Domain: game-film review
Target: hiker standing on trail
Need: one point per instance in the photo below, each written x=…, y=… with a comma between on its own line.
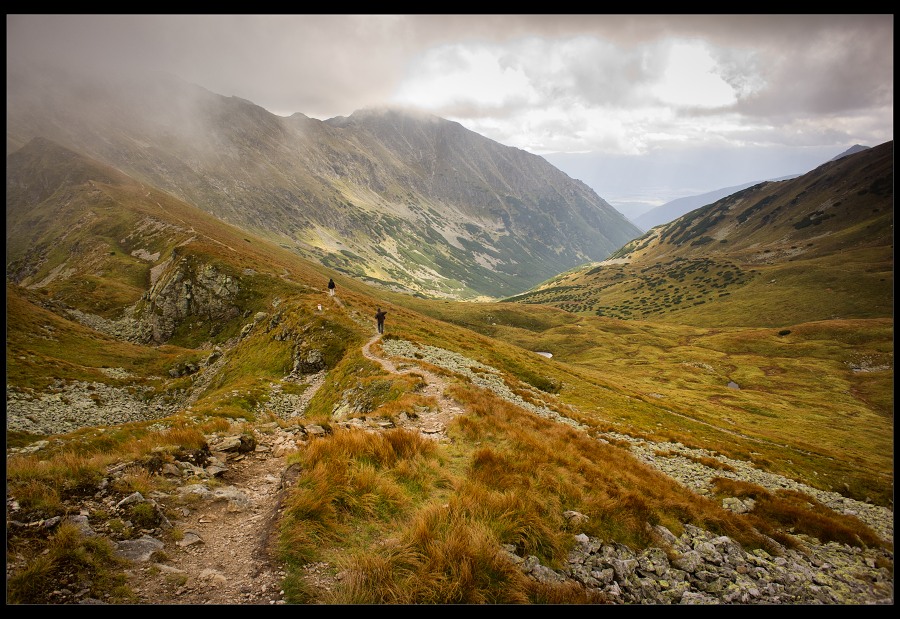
x=331, y=287
x=379, y=318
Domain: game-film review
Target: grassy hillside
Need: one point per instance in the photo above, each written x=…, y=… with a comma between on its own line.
x=817, y=247
x=413, y=521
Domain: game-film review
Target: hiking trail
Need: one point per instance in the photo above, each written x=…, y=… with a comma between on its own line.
x=228, y=552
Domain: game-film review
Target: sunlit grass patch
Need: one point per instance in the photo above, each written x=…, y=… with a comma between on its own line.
x=410, y=403
x=41, y=482
x=44, y=481
x=353, y=474
x=443, y=559
x=619, y=494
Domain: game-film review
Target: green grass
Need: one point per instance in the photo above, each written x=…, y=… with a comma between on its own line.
x=70, y=560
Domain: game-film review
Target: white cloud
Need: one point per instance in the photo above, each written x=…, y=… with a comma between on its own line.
x=692, y=78
x=606, y=83
x=459, y=75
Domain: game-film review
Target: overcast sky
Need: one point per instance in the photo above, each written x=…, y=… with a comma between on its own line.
x=543, y=83
x=643, y=108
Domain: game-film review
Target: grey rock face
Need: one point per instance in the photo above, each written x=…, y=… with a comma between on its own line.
x=189, y=290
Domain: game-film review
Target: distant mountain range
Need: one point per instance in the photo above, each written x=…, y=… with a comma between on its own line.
x=676, y=208
x=414, y=203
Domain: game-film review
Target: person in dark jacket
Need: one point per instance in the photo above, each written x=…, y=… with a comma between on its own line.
x=331, y=287
x=379, y=318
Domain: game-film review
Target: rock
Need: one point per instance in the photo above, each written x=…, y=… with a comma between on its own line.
x=139, y=550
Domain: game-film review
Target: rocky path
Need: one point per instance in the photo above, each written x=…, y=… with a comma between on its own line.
x=227, y=553
x=433, y=421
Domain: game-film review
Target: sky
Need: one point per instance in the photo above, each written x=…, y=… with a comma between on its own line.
x=580, y=88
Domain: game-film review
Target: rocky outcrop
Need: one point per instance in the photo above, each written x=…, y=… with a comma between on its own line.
x=187, y=290
x=182, y=289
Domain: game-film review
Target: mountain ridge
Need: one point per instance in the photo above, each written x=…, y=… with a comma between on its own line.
x=808, y=229
x=674, y=209
x=357, y=194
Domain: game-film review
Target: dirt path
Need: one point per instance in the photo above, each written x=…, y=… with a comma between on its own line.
x=227, y=553
x=433, y=421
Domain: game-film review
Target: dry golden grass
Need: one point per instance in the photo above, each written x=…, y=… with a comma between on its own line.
x=35, y=496
x=190, y=437
x=42, y=483
x=410, y=521
x=800, y=513
x=409, y=403
x=351, y=474
x=136, y=480
x=571, y=471
x=442, y=559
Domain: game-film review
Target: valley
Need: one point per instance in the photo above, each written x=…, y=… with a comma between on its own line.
x=719, y=400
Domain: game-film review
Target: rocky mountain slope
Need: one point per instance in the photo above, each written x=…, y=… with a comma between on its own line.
x=681, y=206
x=674, y=209
x=415, y=203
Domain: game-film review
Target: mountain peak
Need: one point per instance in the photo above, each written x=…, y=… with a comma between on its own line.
x=850, y=151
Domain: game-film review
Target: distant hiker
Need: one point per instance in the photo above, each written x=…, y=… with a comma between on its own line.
x=331, y=287
x=379, y=318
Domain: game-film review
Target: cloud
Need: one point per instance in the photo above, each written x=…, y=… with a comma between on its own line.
x=618, y=83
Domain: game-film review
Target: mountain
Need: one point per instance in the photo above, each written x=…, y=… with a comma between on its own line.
x=191, y=418
x=412, y=202
x=850, y=151
x=815, y=247
x=637, y=182
x=134, y=262
x=676, y=208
